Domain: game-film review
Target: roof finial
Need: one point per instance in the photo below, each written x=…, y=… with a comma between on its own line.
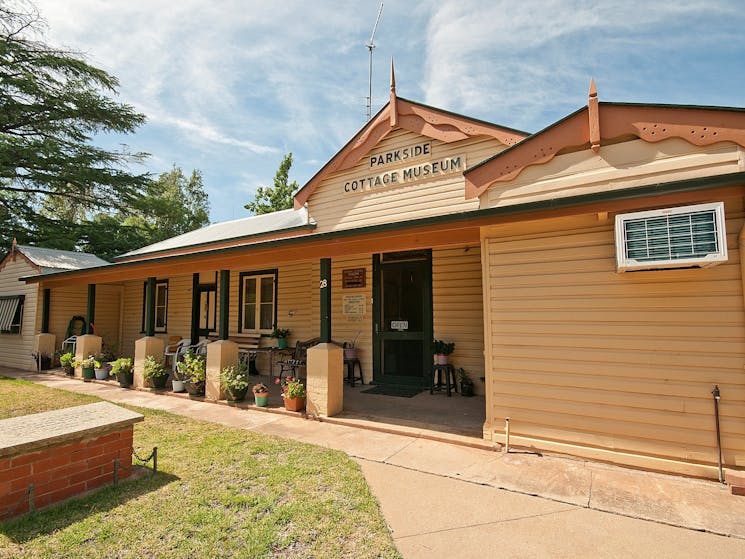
x=393, y=79
x=13, y=245
x=593, y=112
x=393, y=106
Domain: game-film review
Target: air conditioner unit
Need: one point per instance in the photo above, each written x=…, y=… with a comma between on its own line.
x=682, y=237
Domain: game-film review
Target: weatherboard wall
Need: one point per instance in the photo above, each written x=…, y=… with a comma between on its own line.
x=17, y=348
x=615, y=366
x=335, y=209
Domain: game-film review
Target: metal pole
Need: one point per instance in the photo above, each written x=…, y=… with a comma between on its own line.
x=155, y=459
x=716, y=395
x=506, y=434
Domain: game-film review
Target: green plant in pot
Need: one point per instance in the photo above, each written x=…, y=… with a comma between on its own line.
x=234, y=380
x=67, y=361
x=101, y=369
x=261, y=394
x=466, y=384
x=88, y=366
x=123, y=370
x=293, y=392
x=281, y=334
x=442, y=349
x=193, y=371
x=155, y=373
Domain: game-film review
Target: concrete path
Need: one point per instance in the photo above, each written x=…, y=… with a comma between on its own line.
x=443, y=500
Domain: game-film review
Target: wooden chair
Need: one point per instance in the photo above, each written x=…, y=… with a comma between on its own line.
x=298, y=359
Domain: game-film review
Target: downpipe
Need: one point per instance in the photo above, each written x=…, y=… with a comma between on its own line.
x=717, y=396
x=507, y=434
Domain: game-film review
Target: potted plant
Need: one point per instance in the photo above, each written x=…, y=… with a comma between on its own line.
x=234, y=381
x=281, y=334
x=66, y=360
x=261, y=394
x=155, y=373
x=293, y=393
x=88, y=366
x=193, y=371
x=101, y=369
x=177, y=381
x=441, y=350
x=123, y=370
x=350, y=348
x=466, y=384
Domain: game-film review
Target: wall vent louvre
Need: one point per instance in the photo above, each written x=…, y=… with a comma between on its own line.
x=682, y=237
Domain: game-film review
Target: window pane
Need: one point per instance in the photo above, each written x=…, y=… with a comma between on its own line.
x=267, y=290
x=267, y=316
x=249, y=292
x=160, y=295
x=160, y=317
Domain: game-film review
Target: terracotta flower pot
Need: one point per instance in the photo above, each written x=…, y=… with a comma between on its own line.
x=294, y=404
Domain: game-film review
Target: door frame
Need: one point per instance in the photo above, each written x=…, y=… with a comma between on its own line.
x=197, y=289
x=428, y=322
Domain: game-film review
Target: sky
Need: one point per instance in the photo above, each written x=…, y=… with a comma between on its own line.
x=230, y=86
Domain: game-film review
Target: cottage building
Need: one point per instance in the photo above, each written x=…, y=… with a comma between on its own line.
x=589, y=273
x=20, y=303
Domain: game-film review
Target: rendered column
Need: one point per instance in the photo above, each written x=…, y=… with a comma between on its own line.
x=86, y=345
x=325, y=384
x=149, y=345
x=220, y=354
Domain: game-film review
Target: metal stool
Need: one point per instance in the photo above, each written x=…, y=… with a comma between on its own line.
x=350, y=364
x=437, y=378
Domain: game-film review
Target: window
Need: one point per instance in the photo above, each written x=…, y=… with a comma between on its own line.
x=680, y=237
x=11, y=314
x=161, y=305
x=258, y=301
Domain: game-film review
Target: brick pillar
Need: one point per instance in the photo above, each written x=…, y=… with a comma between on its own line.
x=149, y=345
x=220, y=354
x=86, y=345
x=325, y=384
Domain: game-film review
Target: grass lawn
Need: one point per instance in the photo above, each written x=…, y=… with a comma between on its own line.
x=220, y=492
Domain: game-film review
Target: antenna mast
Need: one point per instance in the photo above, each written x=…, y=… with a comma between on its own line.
x=370, y=46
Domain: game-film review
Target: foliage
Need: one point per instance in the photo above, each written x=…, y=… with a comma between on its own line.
x=170, y=205
x=353, y=343
x=280, y=333
x=291, y=387
x=67, y=359
x=260, y=388
x=52, y=102
x=225, y=492
x=440, y=347
x=122, y=365
x=464, y=377
x=193, y=368
x=235, y=377
x=270, y=199
x=154, y=368
x=89, y=362
x=108, y=349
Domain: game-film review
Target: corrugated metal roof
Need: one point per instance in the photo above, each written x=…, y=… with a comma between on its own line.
x=228, y=230
x=52, y=260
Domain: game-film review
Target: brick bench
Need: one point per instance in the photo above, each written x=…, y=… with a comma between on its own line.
x=62, y=453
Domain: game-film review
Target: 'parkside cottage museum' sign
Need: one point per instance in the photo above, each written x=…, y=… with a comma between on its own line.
x=404, y=175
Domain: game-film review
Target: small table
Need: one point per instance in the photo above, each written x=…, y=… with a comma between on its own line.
x=272, y=351
x=438, y=371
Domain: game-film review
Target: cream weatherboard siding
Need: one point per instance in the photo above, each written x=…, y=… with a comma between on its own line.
x=615, y=167
x=458, y=307
x=17, y=348
x=616, y=366
x=333, y=209
x=66, y=302
x=345, y=328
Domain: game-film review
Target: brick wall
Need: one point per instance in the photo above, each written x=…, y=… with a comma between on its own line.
x=63, y=470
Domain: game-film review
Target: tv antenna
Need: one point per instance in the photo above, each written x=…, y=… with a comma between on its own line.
x=371, y=46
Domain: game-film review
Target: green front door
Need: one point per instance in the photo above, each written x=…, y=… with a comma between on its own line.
x=402, y=325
